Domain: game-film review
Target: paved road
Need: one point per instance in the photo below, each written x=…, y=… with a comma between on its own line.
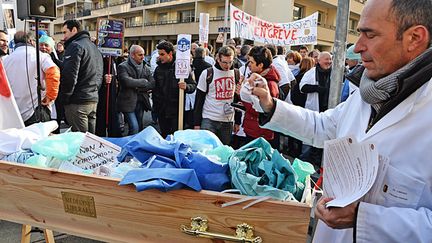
x=11, y=233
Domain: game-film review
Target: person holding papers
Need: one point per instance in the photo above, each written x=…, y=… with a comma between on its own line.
x=393, y=111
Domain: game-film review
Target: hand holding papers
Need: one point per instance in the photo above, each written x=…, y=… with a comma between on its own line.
x=350, y=170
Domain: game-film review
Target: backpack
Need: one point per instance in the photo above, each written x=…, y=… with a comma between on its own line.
x=210, y=73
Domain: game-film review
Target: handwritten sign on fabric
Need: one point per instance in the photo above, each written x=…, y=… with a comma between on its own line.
x=300, y=32
x=95, y=152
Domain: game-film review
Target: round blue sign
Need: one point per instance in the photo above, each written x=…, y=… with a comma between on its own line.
x=183, y=45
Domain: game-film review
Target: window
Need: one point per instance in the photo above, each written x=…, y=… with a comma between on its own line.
x=165, y=1
x=220, y=11
x=134, y=21
x=321, y=16
x=352, y=25
x=186, y=16
x=298, y=12
x=162, y=17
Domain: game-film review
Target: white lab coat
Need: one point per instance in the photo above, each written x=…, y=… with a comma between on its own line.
x=312, y=102
x=402, y=213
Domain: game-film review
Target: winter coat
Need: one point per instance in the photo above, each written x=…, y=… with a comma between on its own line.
x=132, y=85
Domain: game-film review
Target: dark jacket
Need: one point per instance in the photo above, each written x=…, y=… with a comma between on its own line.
x=132, y=85
x=82, y=70
x=250, y=121
x=199, y=65
x=166, y=91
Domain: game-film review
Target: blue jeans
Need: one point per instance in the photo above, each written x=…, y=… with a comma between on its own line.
x=132, y=121
x=223, y=130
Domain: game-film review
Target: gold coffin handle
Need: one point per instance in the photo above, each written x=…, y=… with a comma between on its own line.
x=199, y=227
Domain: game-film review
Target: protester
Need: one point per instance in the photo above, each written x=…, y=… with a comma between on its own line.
x=21, y=69
x=298, y=98
x=316, y=85
x=215, y=93
x=4, y=50
x=303, y=50
x=46, y=45
x=60, y=50
x=260, y=62
x=166, y=91
x=293, y=59
x=286, y=76
x=314, y=54
x=392, y=107
x=352, y=60
x=135, y=83
x=81, y=77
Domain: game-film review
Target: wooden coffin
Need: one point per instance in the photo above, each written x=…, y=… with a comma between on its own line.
x=98, y=208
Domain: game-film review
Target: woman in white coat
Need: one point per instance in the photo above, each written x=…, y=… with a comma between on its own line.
x=393, y=110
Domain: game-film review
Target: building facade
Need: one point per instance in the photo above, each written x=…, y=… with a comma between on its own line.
x=148, y=21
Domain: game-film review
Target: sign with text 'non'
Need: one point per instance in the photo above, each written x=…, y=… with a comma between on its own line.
x=95, y=152
x=183, y=56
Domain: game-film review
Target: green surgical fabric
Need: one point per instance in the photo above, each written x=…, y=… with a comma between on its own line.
x=258, y=170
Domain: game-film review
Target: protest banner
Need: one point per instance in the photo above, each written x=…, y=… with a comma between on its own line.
x=110, y=36
x=204, y=29
x=300, y=32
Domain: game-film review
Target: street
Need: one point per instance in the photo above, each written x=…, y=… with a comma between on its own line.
x=11, y=233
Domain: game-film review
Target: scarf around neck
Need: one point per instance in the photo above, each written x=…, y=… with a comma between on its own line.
x=138, y=67
x=377, y=93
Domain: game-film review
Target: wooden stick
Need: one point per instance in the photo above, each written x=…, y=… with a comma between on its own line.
x=108, y=95
x=181, y=106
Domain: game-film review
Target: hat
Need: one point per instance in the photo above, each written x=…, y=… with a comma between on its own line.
x=48, y=40
x=41, y=33
x=351, y=55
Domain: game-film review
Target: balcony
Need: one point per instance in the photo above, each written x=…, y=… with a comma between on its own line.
x=69, y=16
x=139, y=3
x=119, y=3
x=83, y=13
x=134, y=25
x=99, y=6
x=182, y=21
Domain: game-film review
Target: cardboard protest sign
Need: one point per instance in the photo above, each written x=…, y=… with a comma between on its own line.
x=183, y=56
x=110, y=36
x=204, y=29
x=95, y=152
x=300, y=32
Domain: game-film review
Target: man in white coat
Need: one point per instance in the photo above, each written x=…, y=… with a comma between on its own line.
x=393, y=110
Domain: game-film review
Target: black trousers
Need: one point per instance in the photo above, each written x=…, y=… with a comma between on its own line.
x=167, y=125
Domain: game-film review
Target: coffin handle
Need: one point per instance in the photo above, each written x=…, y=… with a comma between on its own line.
x=199, y=227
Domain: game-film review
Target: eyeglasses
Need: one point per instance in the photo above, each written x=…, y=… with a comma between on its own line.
x=226, y=63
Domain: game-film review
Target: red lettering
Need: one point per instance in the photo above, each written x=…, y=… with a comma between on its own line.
x=294, y=34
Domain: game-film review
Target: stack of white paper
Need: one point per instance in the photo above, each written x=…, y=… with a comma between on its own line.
x=350, y=170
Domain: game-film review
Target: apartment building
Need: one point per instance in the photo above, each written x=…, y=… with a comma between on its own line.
x=148, y=21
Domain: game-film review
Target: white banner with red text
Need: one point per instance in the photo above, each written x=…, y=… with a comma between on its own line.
x=300, y=32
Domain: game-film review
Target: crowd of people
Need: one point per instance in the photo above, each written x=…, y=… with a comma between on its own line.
x=385, y=100
x=101, y=95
